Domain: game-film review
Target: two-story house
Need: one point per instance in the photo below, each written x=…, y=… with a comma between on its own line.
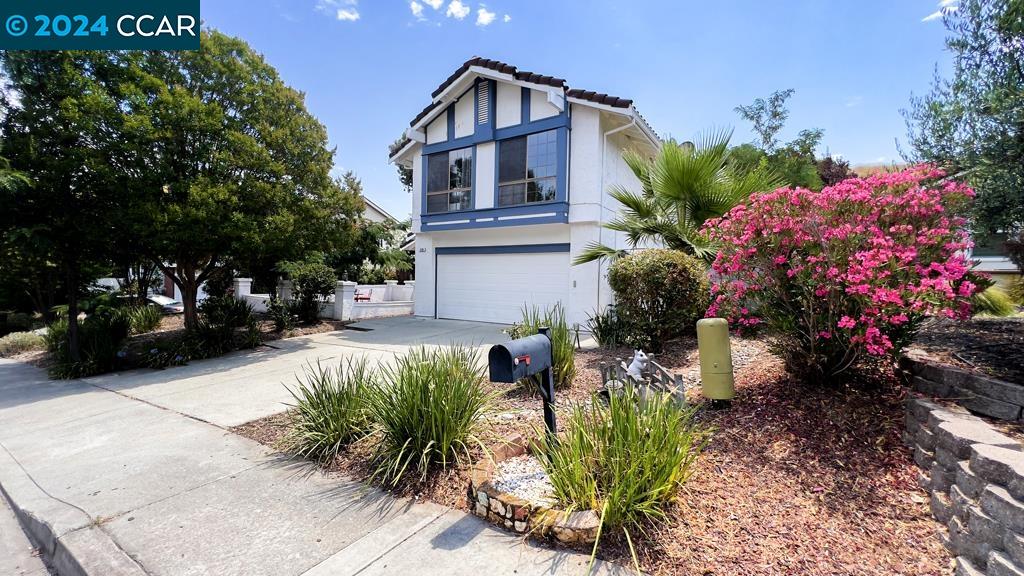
x=510, y=177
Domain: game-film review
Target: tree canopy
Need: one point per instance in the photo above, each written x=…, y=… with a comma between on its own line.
x=972, y=124
x=190, y=160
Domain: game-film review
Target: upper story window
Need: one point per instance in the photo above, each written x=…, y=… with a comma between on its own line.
x=450, y=181
x=527, y=169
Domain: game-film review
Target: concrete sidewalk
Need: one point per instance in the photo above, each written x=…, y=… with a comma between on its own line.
x=135, y=474
x=17, y=555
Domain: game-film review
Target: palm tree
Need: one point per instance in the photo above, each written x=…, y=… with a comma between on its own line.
x=681, y=188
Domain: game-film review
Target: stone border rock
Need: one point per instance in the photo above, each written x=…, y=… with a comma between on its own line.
x=977, y=393
x=518, y=515
x=975, y=476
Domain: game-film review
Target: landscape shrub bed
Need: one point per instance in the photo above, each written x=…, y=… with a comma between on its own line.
x=626, y=459
x=563, y=339
x=845, y=275
x=428, y=411
x=659, y=295
x=18, y=342
x=330, y=409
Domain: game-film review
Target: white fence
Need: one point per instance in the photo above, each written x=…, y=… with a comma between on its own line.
x=350, y=301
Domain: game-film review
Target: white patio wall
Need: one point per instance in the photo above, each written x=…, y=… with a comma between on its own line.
x=386, y=300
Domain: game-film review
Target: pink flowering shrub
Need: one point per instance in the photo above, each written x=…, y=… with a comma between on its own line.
x=846, y=274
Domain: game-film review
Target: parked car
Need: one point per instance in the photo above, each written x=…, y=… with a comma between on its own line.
x=167, y=305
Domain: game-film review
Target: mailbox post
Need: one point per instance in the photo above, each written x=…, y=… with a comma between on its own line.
x=523, y=358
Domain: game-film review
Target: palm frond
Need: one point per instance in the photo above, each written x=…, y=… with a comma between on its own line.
x=597, y=251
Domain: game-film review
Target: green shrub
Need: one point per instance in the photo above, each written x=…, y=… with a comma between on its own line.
x=226, y=311
x=659, y=295
x=330, y=408
x=100, y=338
x=993, y=301
x=370, y=274
x=313, y=282
x=606, y=328
x=625, y=459
x=225, y=324
x=18, y=342
x=428, y=409
x=1016, y=291
x=283, y=314
x=142, y=319
x=563, y=342
x=14, y=322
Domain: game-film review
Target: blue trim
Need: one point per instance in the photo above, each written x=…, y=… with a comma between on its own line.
x=424, y=215
x=512, y=249
x=556, y=213
x=561, y=171
x=524, y=103
x=549, y=123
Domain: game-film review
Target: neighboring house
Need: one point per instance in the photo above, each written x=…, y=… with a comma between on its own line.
x=375, y=213
x=510, y=177
x=990, y=256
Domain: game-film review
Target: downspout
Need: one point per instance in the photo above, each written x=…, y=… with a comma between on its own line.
x=600, y=217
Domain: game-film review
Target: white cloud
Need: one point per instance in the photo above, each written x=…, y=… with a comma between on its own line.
x=417, y=9
x=945, y=7
x=435, y=4
x=344, y=10
x=507, y=18
x=348, y=14
x=457, y=10
x=483, y=17
x=854, y=101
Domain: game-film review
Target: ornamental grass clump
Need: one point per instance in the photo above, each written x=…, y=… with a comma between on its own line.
x=330, y=409
x=563, y=339
x=625, y=459
x=427, y=410
x=845, y=275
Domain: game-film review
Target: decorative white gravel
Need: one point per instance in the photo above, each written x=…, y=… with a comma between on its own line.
x=524, y=477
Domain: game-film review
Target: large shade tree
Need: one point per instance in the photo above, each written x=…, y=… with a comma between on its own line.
x=683, y=186
x=972, y=123
x=237, y=171
x=62, y=127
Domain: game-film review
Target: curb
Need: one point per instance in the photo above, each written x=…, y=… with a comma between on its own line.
x=70, y=541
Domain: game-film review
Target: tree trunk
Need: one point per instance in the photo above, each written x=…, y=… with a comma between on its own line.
x=189, y=290
x=72, y=292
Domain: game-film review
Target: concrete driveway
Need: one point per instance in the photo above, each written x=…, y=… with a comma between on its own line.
x=248, y=385
x=135, y=474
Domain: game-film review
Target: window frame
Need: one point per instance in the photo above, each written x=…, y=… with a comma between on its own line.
x=426, y=181
x=526, y=180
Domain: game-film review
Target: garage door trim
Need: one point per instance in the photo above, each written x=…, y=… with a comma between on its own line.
x=501, y=249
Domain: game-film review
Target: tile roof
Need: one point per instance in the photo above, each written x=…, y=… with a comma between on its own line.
x=532, y=77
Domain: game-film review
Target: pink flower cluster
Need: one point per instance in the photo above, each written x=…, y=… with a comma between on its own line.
x=858, y=264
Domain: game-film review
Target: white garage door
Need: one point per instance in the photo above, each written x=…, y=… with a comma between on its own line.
x=494, y=287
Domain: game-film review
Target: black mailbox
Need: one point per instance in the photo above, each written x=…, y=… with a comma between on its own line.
x=528, y=357
x=518, y=359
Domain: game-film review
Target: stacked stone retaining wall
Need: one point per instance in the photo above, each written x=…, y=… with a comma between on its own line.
x=975, y=477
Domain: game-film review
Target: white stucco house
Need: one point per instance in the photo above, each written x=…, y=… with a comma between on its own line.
x=510, y=177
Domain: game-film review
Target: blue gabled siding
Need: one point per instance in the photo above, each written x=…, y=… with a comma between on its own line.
x=556, y=211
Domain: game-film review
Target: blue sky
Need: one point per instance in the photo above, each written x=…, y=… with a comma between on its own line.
x=368, y=66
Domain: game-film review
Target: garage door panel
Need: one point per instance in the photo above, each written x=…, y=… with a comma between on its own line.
x=494, y=287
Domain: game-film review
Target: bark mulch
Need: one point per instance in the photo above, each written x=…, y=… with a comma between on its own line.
x=796, y=480
x=990, y=346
